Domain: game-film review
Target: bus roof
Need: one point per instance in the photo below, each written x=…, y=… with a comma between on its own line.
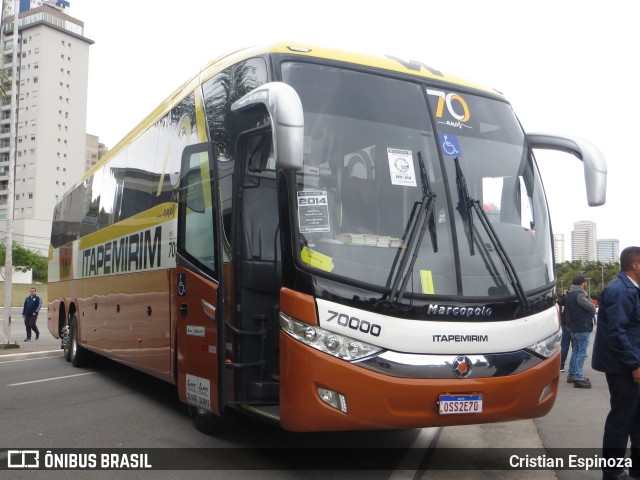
x=389, y=63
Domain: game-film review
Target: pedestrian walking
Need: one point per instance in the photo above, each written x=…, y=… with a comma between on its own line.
x=32, y=305
x=616, y=352
x=581, y=311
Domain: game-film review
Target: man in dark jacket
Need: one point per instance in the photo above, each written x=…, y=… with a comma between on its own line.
x=32, y=305
x=616, y=352
x=581, y=311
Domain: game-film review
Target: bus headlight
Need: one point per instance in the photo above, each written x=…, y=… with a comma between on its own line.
x=547, y=347
x=340, y=346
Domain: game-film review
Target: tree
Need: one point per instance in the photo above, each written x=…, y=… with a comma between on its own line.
x=25, y=259
x=599, y=274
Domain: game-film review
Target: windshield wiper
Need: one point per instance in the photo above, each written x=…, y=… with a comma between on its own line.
x=422, y=213
x=470, y=205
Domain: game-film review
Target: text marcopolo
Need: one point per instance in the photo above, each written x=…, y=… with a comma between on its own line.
x=459, y=311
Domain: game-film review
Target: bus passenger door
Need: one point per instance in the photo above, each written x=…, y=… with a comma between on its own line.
x=196, y=287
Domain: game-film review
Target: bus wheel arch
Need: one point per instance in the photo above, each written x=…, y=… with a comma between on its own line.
x=62, y=317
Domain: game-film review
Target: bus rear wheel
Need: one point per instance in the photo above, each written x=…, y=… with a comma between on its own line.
x=78, y=356
x=205, y=421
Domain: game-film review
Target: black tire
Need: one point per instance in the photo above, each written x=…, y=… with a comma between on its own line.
x=78, y=356
x=204, y=421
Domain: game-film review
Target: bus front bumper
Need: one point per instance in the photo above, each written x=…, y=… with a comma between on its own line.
x=374, y=400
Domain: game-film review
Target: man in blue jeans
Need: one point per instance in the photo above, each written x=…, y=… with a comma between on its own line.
x=581, y=311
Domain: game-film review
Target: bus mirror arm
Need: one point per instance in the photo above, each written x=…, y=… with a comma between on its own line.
x=595, y=165
x=287, y=120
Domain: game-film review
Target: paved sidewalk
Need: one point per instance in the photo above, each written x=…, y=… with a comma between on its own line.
x=46, y=346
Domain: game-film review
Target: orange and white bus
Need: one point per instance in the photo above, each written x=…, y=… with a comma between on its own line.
x=326, y=240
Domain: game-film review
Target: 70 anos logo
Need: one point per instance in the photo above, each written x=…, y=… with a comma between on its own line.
x=354, y=323
x=456, y=105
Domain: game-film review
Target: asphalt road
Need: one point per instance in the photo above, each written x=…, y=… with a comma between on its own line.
x=46, y=403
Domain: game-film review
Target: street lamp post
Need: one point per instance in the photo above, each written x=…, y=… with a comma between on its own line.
x=8, y=264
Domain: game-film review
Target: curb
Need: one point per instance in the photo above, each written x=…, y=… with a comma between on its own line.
x=23, y=356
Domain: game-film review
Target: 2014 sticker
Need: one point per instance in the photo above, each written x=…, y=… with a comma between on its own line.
x=313, y=212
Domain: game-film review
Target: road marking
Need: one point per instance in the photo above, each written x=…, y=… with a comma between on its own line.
x=50, y=379
x=23, y=357
x=409, y=464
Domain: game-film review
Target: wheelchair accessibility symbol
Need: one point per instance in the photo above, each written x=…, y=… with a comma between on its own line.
x=182, y=285
x=450, y=145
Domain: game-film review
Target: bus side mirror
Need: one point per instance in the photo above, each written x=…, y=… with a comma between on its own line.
x=287, y=120
x=595, y=166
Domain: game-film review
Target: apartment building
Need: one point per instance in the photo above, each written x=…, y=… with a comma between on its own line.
x=584, y=241
x=94, y=151
x=558, y=247
x=608, y=250
x=50, y=134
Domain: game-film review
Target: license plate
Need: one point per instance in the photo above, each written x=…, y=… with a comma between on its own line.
x=459, y=404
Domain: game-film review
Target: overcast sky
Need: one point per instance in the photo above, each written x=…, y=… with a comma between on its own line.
x=565, y=65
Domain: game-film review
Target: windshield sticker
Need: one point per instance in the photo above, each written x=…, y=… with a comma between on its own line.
x=426, y=278
x=401, y=167
x=456, y=107
x=313, y=212
x=316, y=259
x=450, y=145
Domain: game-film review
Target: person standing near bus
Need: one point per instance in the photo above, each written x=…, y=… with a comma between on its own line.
x=566, y=329
x=32, y=305
x=581, y=311
x=616, y=352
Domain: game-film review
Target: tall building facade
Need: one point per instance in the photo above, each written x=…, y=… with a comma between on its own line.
x=95, y=151
x=584, y=244
x=609, y=250
x=558, y=247
x=50, y=130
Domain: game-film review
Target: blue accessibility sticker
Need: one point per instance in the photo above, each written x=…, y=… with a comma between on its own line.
x=450, y=145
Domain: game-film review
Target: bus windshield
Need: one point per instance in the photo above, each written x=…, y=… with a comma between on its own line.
x=371, y=145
